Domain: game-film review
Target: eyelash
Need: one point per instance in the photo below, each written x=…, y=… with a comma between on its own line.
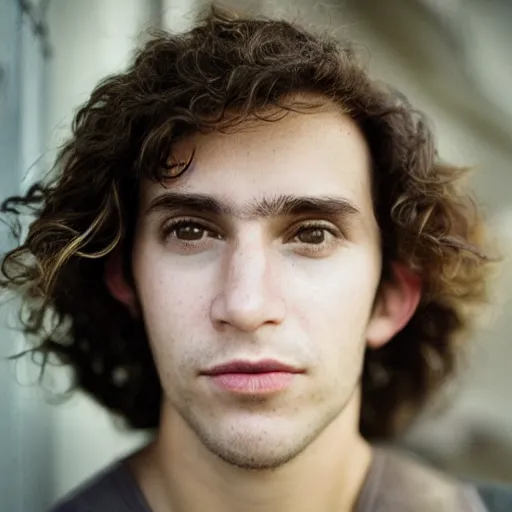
x=169, y=227
x=173, y=225
x=312, y=226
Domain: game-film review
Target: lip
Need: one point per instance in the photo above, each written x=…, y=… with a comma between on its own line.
x=264, y=377
x=251, y=367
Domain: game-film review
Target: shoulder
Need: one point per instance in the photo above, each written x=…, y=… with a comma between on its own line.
x=113, y=488
x=477, y=496
x=403, y=482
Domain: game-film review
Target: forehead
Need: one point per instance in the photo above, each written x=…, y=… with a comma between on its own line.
x=322, y=153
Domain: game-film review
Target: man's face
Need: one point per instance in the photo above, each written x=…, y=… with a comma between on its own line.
x=266, y=250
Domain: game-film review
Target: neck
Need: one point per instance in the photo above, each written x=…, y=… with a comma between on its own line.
x=178, y=474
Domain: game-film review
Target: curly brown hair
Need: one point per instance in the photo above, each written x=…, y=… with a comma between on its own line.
x=219, y=74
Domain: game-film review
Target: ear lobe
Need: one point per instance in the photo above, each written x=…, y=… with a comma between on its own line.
x=395, y=306
x=117, y=284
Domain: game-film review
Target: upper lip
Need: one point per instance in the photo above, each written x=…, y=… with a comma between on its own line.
x=264, y=366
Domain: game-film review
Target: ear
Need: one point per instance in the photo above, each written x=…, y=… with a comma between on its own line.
x=396, y=303
x=117, y=283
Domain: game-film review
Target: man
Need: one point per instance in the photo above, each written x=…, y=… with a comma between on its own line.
x=252, y=249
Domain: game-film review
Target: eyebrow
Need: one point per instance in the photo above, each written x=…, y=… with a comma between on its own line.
x=277, y=206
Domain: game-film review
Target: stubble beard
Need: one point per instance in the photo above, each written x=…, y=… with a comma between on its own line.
x=242, y=453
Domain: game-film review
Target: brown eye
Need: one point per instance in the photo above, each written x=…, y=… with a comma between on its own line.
x=189, y=232
x=314, y=236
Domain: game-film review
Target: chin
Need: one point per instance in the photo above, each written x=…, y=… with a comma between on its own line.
x=260, y=446
x=259, y=441
x=254, y=459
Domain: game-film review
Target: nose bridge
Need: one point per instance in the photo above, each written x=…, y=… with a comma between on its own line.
x=247, y=271
x=249, y=295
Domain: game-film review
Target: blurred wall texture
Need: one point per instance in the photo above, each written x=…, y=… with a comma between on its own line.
x=450, y=58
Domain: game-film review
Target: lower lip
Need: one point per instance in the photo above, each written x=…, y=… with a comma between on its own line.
x=254, y=383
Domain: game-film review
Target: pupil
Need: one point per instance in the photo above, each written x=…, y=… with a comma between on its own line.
x=312, y=236
x=190, y=233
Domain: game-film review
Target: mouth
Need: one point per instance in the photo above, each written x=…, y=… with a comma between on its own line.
x=249, y=367
x=247, y=377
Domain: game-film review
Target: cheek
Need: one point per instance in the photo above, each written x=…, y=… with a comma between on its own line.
x=333, y=298
x=174, y=306
x=171, y=299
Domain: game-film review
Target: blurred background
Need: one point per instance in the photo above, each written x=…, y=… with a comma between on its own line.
x=450, y=57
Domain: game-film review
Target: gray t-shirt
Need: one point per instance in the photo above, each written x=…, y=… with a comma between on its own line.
x=394, y=483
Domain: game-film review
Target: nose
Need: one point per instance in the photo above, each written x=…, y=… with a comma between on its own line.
x=249, y=295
